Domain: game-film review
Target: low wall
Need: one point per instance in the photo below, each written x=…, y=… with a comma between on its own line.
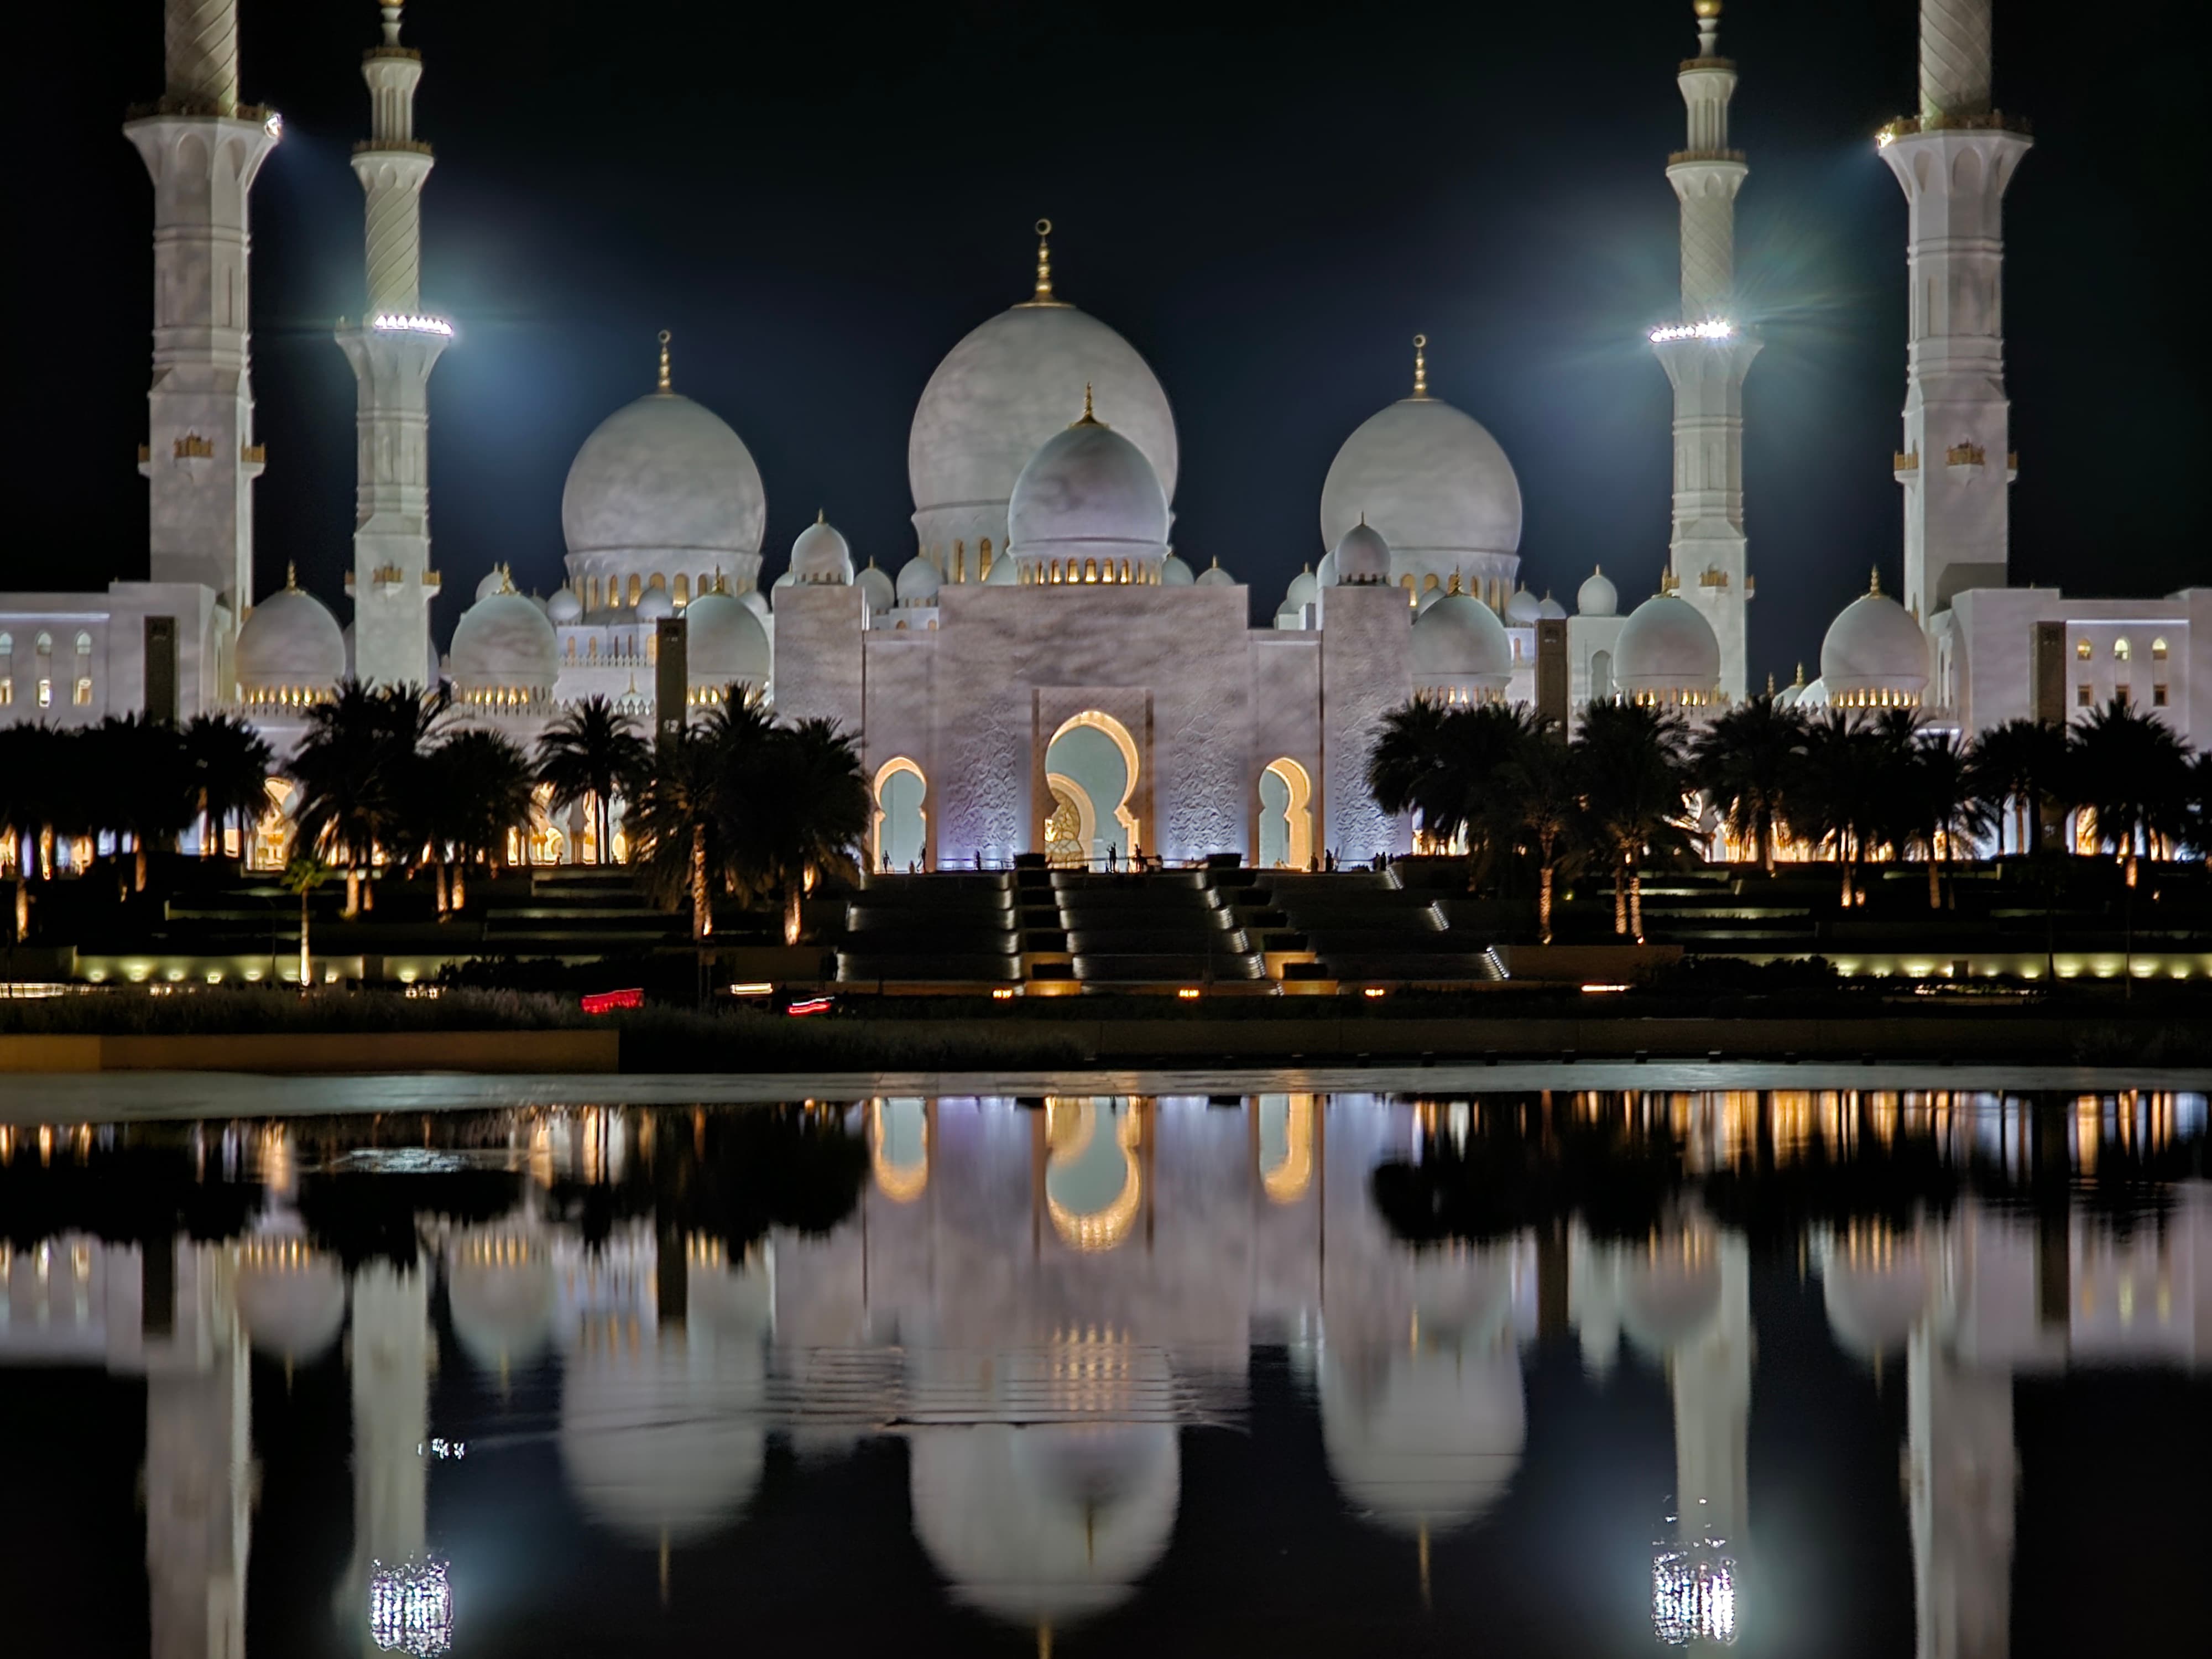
x=320, y=1052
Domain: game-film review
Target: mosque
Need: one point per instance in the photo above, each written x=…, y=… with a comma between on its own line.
x=1127, y=703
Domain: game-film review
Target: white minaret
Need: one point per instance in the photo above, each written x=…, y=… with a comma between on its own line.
x=1954, y=161
x=1706, y=353
x=392, y=348
x=203, y=149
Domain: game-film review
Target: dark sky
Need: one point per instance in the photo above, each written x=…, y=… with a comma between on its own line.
x=1267, y=200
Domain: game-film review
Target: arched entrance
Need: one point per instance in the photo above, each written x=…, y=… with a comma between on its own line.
x=1285, y=816
x=1091, y=771
x=901, y=832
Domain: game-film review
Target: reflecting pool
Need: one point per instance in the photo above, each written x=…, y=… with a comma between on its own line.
x=1812, y=1372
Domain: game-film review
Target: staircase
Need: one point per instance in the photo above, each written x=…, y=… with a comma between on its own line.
x=1367, y=926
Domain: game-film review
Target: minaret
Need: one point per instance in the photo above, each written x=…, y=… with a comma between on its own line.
x=392, y=348
x=1706, y=352
x=203, y=149
x=1954, y=161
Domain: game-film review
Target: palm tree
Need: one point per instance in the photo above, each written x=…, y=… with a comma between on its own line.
x=590, y=752
x=484, y=782
x=1836, y=793
x=230, y=765
x=675, y=822
x=1744, y=762
x=1440, y=762
x=2018, y=766
x=31, y=767
x=302, y=875
x=796, y=813
x=1636, y=780
x=1946, y=807
x=2131, y=771
x=144, y=783
x=1542, y=790
x=353, y=770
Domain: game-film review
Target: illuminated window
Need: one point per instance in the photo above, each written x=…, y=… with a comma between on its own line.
x=7, y=689
x=2121, y=651
x=82, y=695
x=2158, y=650
x=46, y=694
x=636, y=588
x=2081, y=650
x=683, y=590
x=2158, y=696
x=2082, y=696
x=658, y=581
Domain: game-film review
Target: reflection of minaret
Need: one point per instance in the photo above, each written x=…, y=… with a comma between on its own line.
x=391, y=1418
x=393, y=349
x=1712, y=1376
x=202, y=148
x=198, y=1452
x=1953, y=162
x=1706, y=354
x=1961, y=1467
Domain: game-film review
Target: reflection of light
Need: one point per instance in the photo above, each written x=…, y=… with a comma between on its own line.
x=410, y=1608
x=1286, y=1180
x=1713, y=328
x=392, y=322
x=1069, y=1127
x=1693, y=1594
x=900, y=1181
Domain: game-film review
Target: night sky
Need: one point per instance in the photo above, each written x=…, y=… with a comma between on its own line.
x=1267, y=201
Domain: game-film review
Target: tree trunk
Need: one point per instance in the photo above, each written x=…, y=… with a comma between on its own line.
x=1544, y=902
x=306, y=968
x=1619, y=896
x=791, y=914
x=45, y=851
x=138, y=863
x=1635, y=901
x=23, y=902
x=369, y=890
x=703, y=912
x=460, y=880
x=1934, y=878
x=353, y=891
x=437, y=871
x=1767, y=848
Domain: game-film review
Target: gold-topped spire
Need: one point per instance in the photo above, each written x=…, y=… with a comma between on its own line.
x=291, y=577
x=1873, y=583
x=1090, y=417
x=1800, y=681
x=821, y=515
x=1421, y=365
x=1043, y=296
x=1455, y=582
x=663, y=360
x=1769, y=685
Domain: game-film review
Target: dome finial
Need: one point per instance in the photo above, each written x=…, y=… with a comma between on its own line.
x=1800, y=681
x=1421, y=365
x=1089, y=418
x=1769, y=685
x=821, y=515
x=1455, y=581
x=1043, y=296
x=291, y=577
x=1709, y=27
x=1873, y=583
x=663, y=360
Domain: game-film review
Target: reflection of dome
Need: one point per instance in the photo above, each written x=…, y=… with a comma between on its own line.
x=662, y=1443
x=1089, y=494
x=1285, y=1125
x=1597, y=597
x=1875, y=1289
x=1667, y=653
x=500, y=1287
x=1873, y=655
x=1459, y=643
x=1093, y=1184
x=1670, y=1292
x=1000, y=395
x=291, y=644
x=1044, y=1524
x=291, y=1297
x=1434, y=484
x=504, y=649
x=724, y=642
x=820, y=554
x=1428, y=1439
x=663, y=485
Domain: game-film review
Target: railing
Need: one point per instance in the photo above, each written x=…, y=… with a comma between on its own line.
x=412, y=146
x=1689, y=64
x=1906, y=461
x=1963, y=455
x=1681, y=155
x=1994, y=120
x=256, y=113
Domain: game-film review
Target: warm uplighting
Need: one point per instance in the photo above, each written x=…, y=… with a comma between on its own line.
x=1594, y=990
x=1189, y=993
x=1372, y=993
x=392, y=322
x=1002, y=993
x=1713, y=328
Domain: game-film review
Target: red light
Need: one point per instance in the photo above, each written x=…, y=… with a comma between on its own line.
x=606, y=1001
x=812, y=1006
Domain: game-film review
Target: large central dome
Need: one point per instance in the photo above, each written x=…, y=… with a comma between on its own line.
x=996, y=399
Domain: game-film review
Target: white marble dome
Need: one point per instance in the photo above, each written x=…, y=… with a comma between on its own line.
x=1427, y=598
x=1459, y=645
x=1549, y=608
x=1814, y=696
x=1436, y=486
x=564, y=607
x=504, y=650
x=1003, y=573
x=821, y=554
x=664, y=486
x=1000, y=395
x=918, y=581
x=1303, y=590
x=1214, y=576
x=1088, y=498
x=1667, y=653
x=290, y=648
x=756, y=602
x=654, y=606
x=1174, y=572
x=497, y=580
x=1361, y=555
x=724, y=642
x=1873, y=655
x=876, y=588
x=1597, y=597
x=1524, y=608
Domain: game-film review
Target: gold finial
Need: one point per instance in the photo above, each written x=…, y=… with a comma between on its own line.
x=1421, y=365
x=1769, y=685
x=1873, y=583
x=1043, y=296
x=291, y=577
x=1706, y=8
x=663, y=360
x=1089, y=418
x=821, y=515
x=1455, y=582
x=1800, y=681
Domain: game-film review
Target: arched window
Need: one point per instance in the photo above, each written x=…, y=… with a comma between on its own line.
x=46, y=645
x=84, y=645
x=636, y=588
x=2121, y=651
x=2157, y=650
x=2081, y=650
x=1600, y=688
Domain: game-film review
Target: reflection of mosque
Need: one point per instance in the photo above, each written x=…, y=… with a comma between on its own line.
x=1038, y=1300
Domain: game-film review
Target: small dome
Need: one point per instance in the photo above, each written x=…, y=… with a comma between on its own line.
x=1174, y=572
x=1360, y=555
x=1814, y=696
x=1459, y=639
x=1597, y=597
x=497, y=580
x=820, y=554
x=290, y=642
x=1523, y=609
x=724, y=642
x=1088, y=491
x=875, y=586
x=1325, y=572
x=504, y=645
x=564, y=607
x=1875, y=654
x=1005, y=573
x=756, y=602
x=918, y=581
x=1303, y=591
x=1429, y=596
x=1549, y=608
x=1214, y=576
x=1666, y=651
x=654, y=606
x=1788, y=695
x=664, y=485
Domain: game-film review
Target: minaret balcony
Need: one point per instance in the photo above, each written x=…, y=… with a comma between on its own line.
x=1994, y=120
x=1691, y=65
x=253, y=454
x=1677, y=157
x=411, y=146
x=1905, y=462
x=194, y=447
x=1963, y=455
